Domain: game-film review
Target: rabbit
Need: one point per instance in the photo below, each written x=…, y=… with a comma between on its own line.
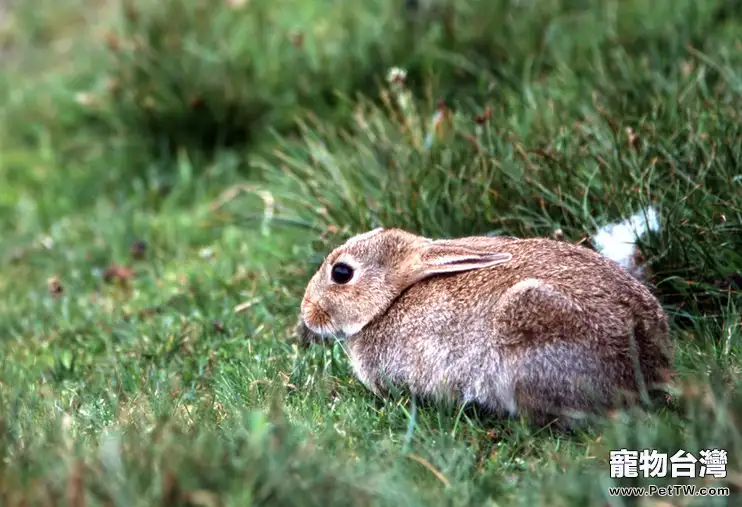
x=521, y=327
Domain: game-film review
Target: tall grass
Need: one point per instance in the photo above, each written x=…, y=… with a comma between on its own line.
x=171, y=174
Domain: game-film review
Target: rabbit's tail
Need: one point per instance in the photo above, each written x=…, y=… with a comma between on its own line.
x=617, y=241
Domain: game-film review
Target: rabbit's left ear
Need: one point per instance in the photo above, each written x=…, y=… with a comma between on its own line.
x=364, y=236
x=439, y=257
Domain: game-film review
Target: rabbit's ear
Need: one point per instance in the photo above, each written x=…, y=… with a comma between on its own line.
x=442, y=257
x=363, y=236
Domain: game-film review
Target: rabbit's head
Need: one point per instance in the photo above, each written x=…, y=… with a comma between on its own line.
x=360, y=279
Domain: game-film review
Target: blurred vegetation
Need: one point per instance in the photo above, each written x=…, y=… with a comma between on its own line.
x=171, y=173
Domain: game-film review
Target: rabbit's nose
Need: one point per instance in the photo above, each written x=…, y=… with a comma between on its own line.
x=306, y=304
x=308, y=308
x=314, y=316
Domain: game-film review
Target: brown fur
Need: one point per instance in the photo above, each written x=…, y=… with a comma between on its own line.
x=520, y=326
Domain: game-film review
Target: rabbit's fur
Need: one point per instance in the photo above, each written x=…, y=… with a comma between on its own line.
x=519, y=326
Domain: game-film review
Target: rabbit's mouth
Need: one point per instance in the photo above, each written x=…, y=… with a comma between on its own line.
x=316, y=319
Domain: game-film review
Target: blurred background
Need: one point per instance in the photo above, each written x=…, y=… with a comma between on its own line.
x=172, y=172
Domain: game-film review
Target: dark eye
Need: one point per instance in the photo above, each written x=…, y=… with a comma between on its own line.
x=341, y=273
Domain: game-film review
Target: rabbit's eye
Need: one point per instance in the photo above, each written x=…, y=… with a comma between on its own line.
x=341, y=273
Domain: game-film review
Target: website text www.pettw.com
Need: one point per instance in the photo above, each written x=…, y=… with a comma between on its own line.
x=671, y=490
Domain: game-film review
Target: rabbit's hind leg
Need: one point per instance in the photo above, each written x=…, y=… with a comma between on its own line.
x=533, y=312
x=558, y=368
x=563, y=380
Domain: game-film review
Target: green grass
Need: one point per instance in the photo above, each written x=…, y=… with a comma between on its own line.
x=215, y=161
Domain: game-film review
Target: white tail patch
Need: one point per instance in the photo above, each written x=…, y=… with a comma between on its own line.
x=617, y=241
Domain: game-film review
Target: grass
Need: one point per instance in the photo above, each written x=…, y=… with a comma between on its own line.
x=172, y=173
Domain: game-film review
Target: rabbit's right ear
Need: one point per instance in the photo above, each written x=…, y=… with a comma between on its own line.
x=439, y=257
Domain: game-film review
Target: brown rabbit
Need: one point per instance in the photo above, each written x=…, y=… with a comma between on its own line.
x=519, y=326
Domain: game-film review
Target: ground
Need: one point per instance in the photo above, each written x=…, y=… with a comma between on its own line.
x=172, y=173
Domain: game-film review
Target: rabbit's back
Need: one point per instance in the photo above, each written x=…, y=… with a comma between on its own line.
x=554, y=312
